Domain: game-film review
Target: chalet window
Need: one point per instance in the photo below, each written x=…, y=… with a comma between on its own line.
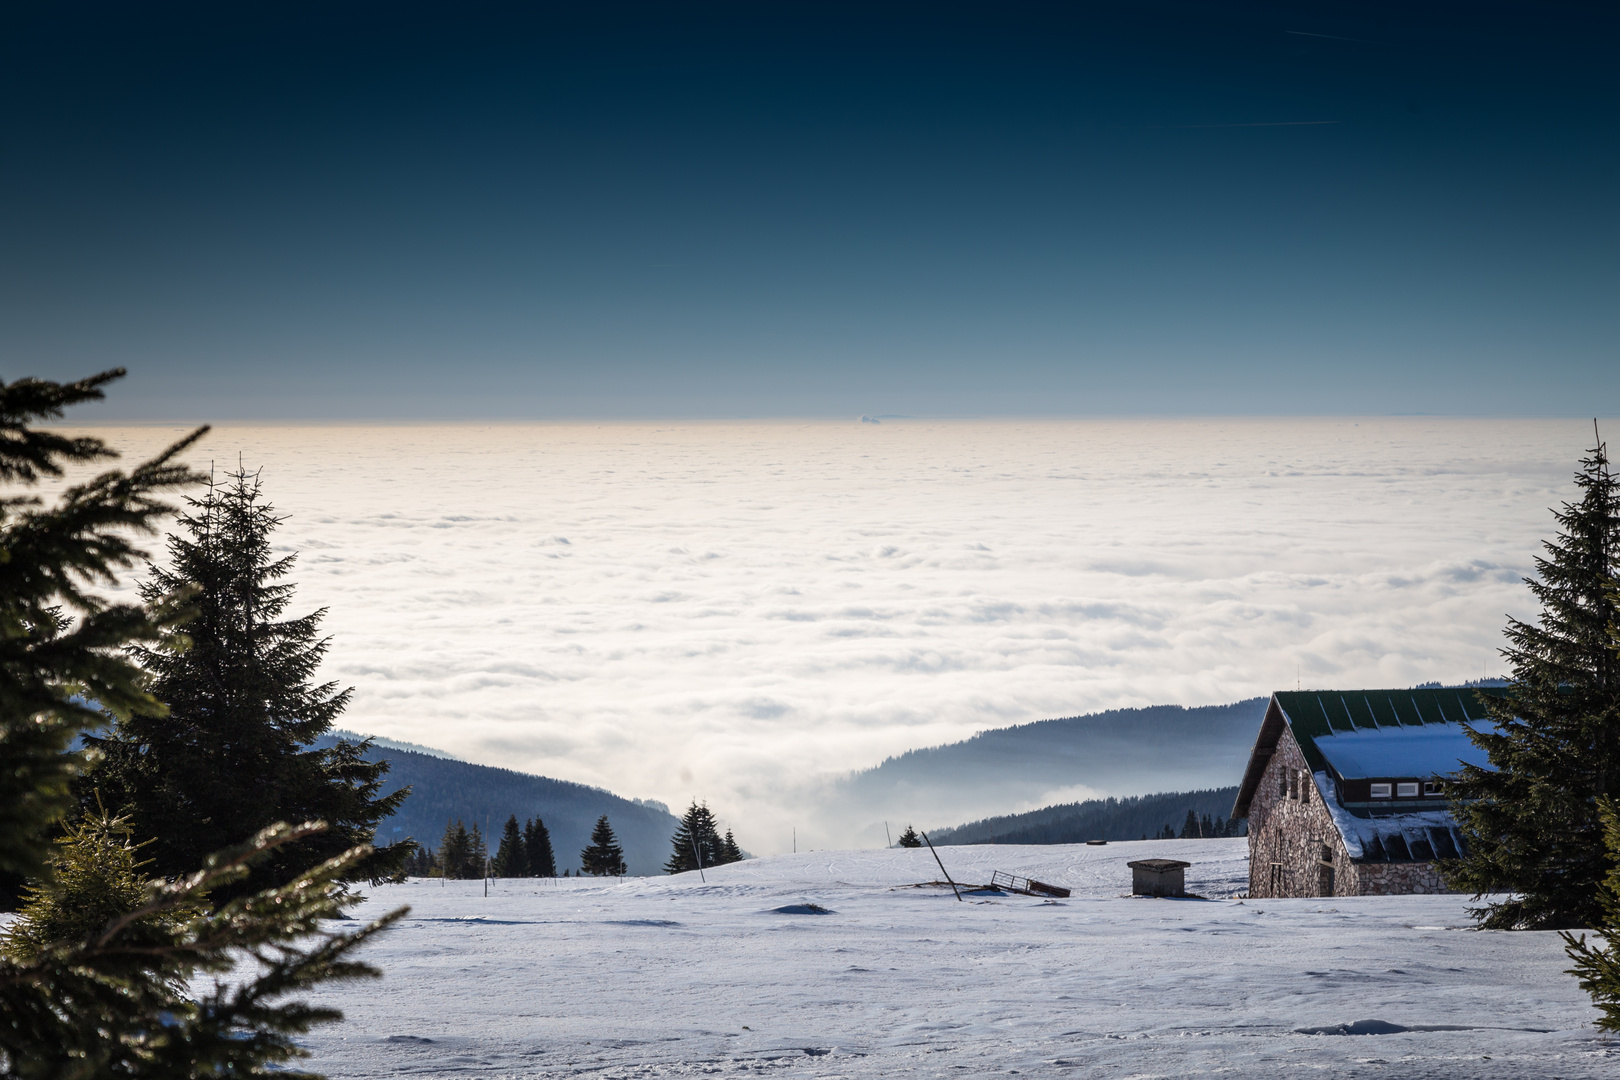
x=1380, y=791
x=1282, y=783
x=1304, y=787
x=1407, y=791
x=1327, y=854
x=1433, y=787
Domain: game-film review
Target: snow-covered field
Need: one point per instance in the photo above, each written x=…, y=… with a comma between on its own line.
x=654, y=977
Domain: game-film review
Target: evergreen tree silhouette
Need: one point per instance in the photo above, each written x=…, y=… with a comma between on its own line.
x=537, y=843
x=234, y=753
x=455, y=850
x=729, y=851
x=511, y=858
x=1531, y=821
x=478, y=855
x=603, y=857
x=909, y=838
x=1189, y=828
x=696, y=842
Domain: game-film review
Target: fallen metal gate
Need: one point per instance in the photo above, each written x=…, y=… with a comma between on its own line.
x=1027, y=886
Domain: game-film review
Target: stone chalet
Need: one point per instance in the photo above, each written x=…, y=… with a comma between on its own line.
x=1345, y=790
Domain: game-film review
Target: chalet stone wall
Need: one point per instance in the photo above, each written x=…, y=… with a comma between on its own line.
x=1290, y=832
x=1394, y=879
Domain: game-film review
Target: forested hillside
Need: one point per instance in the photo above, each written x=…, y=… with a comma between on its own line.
x=1129, y=818
x=1119, y=752
x=443, y=788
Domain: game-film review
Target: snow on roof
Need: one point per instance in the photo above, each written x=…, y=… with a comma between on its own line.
x=1410, y=836
x=1424, y=750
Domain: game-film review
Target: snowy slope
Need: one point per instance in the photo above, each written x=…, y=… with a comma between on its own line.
x=656, y=977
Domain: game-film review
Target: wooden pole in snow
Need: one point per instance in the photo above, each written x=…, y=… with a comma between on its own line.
x=942, y=869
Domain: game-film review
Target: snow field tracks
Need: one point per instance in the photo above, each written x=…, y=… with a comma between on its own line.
x=655, y=977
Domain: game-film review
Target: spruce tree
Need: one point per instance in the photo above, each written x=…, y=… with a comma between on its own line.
x=234, y=753
x=603, y=857
x=537, y=843
x=1530, y=820
x=95, y=879
x=477, y=854
x=511, y=858
x=909, y=838
x=423, y=862
x=696, y=843
x=455, y=850
x=729, y=851
x=80, y=996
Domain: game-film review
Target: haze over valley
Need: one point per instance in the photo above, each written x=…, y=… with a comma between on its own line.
x=752, y=612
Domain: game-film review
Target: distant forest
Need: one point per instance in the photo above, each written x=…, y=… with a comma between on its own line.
x=1132, y=818
x=444, y=790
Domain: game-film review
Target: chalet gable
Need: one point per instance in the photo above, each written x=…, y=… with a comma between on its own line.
x=1372, y=745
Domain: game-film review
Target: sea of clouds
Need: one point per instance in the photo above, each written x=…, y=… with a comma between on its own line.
x=738, y=611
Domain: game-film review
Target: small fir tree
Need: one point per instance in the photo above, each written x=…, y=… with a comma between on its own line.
x=542, y=861
x=729, y=851
x=422, y=862
x=511, y=858
x=909, y=838
x=477, y=855
x=1598, y=969
x=235, y=752
x=603, y=857
x=94, y=880
x=696, y=843
x=1530, y=821
x=456, y=850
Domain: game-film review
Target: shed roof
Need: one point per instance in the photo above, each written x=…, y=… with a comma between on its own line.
x=1158, y=865
x=1370, y=733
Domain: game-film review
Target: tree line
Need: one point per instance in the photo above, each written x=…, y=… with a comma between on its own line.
x=1198, y=826
x=1144, y=817
x=526, y=851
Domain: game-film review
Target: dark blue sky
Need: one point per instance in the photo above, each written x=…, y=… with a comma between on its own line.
x=344, y=210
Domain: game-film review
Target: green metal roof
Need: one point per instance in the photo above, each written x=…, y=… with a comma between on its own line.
x=1312, y=714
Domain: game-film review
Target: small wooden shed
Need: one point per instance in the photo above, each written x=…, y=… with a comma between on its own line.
x=1159, y=877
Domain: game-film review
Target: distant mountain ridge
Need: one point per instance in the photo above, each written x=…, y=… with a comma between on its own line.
x=1119, y=752
x=444, y=788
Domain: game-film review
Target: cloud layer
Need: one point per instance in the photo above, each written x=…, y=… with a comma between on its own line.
x=738, y=611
